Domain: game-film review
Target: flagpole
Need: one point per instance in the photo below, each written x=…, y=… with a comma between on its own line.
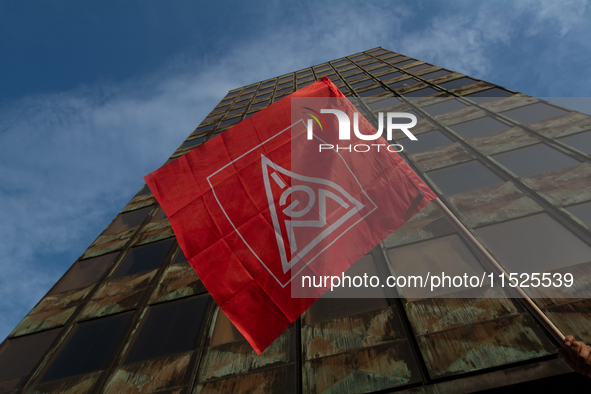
x=493, y=264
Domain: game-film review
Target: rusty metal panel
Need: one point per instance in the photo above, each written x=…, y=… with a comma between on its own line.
x=351, y=332
x=61, y=300
x=564, y=186
x=238, y=357
x=443, y=156
x=140, y=202
x=42, y=321
x=453, y=117
x=109, y=243
x=573, y=318
x=571, y=123
x=494, y=379
x=579, y=291
x=428, y=223
x=124, y=284
x=467, y=114
x=511, y=102
x=75, y=385
x=483, y=345
x=502, y=141
x=112, y=304
x=430, y=315
x=472, y=88
x=155, y=231
x=275, y=380
x=150, y=376
x=493, y=204
x=446, y=78
x=179, y=280
x=370, y=369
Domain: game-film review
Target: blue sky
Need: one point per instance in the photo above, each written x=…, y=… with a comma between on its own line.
x=96, y=94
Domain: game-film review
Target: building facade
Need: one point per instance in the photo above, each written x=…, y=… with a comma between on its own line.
x=132, y=316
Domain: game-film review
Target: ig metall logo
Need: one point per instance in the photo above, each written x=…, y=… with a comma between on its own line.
x=392, y=120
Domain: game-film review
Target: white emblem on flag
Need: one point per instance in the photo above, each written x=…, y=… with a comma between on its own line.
x=298, y=211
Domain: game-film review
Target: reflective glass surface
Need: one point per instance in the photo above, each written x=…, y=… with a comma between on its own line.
x=418, y=68
x=535, y=243
x=443, y=107
x=435, y=74
x=426, y=141
x=144, y=258
x=463, y=177
x=582, y=211
x=127, y=220
x=84, y=273
x=489, y=95
x=479, y=127
x=534, y=160
x=581, y=141
x=534, y=113
x=89, y=347
x=456, y=83
x=18, y=356
x=169, y=328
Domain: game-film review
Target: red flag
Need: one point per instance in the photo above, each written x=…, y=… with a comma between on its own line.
x=235, y=207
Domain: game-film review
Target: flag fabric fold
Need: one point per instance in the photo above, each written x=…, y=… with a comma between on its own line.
x=233, y=207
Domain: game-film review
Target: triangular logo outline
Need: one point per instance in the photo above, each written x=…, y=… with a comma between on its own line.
x=353, y=206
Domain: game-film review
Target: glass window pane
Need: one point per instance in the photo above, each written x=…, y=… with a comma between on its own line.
x=325, y=309
x=385, y=103
x=404, y=83
x=394, y=59
x=463, y=177
x=89, y=347
x=355, y=77
x=225, y=331
x=534, y=113
x=127, y=220
x=379, y=70
x=582, y=211
x=362, y=83
x=426, y=141
x=418, y=68
x=435, y=74
x=443, y=107
x=349, y=72
x=180, y=257
x=333, y=308
x=479, y=127
x=535, y=243
x=169, y=328
x=580, y=141
x=372, y=92
x=204, y=128
x=457, y=83
x=421, y=92
x=489, y=95
x=534, y=160
x=84, y=273
x=390, y=75
x=447, y=254
x=230, y=121
x=404, y=63
x=160, y=215
x=193, y=142
x=18, y=356
x=144, y=258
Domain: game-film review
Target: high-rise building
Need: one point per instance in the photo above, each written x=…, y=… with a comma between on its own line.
x=131, y=315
